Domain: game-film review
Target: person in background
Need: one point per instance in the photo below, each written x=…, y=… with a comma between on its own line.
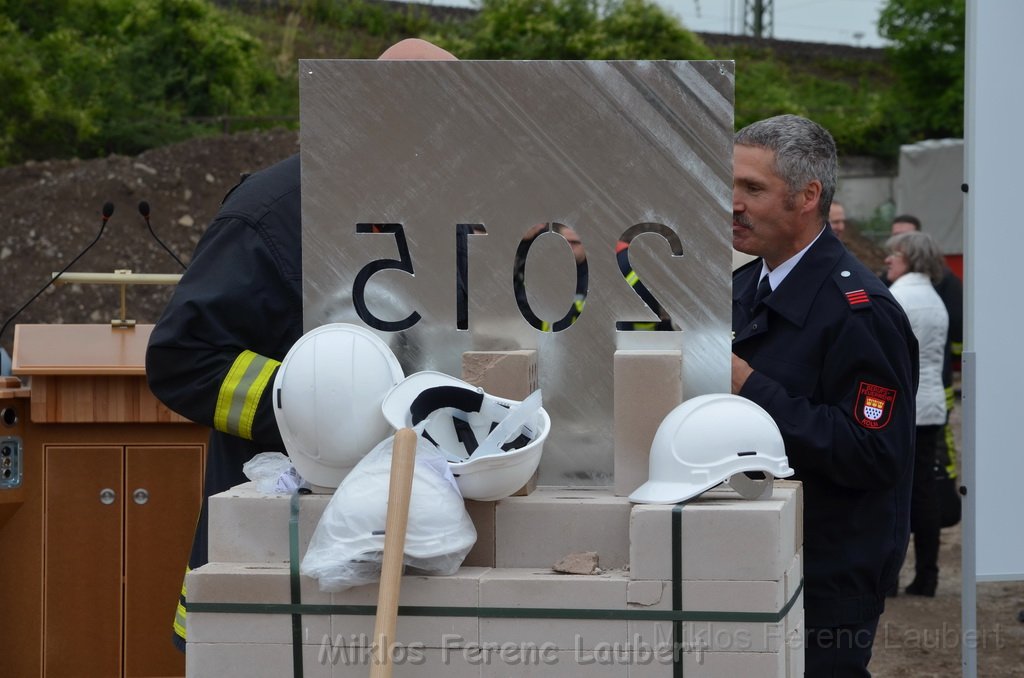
x=837, y=218
x=823, y=347
x=951, y=290
x=914, y=265
x=214, y=352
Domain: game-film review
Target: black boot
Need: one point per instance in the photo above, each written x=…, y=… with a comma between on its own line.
x=922, y=586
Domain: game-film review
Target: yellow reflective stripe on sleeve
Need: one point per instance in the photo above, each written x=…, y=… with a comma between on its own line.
x=632, y=278
x=179, y=621
x=240, y=393
x=179, y=614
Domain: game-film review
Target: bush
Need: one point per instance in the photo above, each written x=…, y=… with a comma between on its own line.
x=119, y=76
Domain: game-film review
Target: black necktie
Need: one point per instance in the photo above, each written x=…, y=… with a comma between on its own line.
x=764, y=288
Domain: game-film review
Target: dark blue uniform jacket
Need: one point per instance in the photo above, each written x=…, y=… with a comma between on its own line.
x=242, y=292
x=836, y=366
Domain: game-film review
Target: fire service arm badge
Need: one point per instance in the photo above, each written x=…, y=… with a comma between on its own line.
x=873, y=406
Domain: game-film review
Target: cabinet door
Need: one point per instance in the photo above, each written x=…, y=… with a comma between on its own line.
x=163, y=494
x=83, y=563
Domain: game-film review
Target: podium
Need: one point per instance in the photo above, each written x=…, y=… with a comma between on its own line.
x=100, y=495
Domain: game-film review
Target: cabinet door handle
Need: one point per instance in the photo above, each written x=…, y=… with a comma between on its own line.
x=141, y=496
x=107, y=496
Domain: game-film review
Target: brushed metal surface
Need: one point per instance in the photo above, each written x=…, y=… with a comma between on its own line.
x=510, y=148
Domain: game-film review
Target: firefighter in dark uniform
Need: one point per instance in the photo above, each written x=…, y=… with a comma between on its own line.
x=213, y=354
x=830, y=355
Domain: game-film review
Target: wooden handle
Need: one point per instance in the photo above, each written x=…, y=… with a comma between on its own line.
x=403, y=462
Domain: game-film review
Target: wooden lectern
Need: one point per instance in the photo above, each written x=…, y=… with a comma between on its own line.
x=97, y=511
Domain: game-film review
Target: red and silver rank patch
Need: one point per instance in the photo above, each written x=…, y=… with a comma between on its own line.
x=873, y=406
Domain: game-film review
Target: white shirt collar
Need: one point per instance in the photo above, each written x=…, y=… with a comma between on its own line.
x=776, y=276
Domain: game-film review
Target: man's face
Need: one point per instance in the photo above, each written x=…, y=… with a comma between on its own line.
x=765, y=216
x=902, y=227
x=573, y=238
x=837, y=217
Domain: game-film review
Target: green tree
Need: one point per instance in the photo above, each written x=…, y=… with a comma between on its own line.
x=927, y=56
x=87, y=78
x=572, y=29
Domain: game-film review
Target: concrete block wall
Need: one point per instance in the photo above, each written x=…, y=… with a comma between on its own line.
x=736, y=556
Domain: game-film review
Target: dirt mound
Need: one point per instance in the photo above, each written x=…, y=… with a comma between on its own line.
x=52, y=210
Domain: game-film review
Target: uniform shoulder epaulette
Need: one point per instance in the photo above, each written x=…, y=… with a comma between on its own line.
x=852, y=287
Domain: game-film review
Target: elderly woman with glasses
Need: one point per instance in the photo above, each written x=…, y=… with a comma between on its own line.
x=914, y=264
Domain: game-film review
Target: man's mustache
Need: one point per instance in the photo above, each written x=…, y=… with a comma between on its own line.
x=742, y=220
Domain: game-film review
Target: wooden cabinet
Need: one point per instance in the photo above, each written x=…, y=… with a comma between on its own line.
x=95, y=539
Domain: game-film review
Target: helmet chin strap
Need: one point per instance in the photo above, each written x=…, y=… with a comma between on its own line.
x=752, y=488
x=511, y=425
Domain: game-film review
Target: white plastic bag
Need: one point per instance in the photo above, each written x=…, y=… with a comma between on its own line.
x=347, y=546
x=273, y=473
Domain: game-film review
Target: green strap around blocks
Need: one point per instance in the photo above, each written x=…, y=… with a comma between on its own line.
x=676, y=615
x=296, y=585
x=501, y=612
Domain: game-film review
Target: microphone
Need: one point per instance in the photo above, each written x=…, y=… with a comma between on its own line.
x=144, y=211
x=108, y=209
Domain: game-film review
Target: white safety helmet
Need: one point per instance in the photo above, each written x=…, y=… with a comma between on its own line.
x=327, y=397
x=493, y=445
x=708, y=440
x=348, y=544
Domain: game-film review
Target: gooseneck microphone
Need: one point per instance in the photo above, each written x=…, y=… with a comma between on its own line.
x=144, y=211
x=108, y=209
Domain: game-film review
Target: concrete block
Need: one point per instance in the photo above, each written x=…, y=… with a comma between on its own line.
x=249, y=583
x=794, y=574
x=407, y=659
x=723, y=537
x=482, y=515
x=432, y=663
x=648, y=385
x=795, y=642
x=526, y=588
x=249, y=527
x=530, y=487
x=650, y=636
x=794, y=488
x=241, y=583
x=216, y=628
x=461, y=589
x=506, y=374
x=709, y=596
x=648, y=594
x=538, y=530
x=245, y=660
x=513, y=662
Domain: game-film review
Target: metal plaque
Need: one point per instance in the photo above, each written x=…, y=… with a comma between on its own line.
x=487, y=205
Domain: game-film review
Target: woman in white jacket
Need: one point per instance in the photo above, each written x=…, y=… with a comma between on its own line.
x=914, y=264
